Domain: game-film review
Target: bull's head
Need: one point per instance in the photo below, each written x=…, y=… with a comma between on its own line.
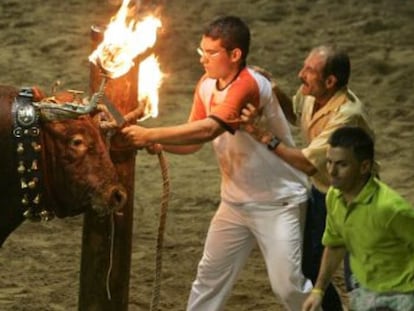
x=79, y=170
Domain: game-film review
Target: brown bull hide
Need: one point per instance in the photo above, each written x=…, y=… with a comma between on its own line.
x=78, y=172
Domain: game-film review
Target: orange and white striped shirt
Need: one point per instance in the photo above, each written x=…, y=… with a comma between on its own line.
x=250, y=172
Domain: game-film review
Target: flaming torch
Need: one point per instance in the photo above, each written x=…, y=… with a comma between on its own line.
x=124, y=39
x=122, y=66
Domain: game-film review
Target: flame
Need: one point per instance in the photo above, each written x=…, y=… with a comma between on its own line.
x=124, y=39
x=150, y=78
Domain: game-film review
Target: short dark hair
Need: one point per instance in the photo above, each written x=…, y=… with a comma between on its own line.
x=337, y=64
x=232, y=32
x=355, y=138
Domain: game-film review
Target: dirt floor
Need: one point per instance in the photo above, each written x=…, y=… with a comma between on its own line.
x=45, y=41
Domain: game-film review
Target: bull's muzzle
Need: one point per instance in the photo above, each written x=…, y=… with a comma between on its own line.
x=117, y=198
x=114, y=199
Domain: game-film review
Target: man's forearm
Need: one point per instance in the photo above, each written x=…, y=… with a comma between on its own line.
x=295, y=157
x=332, y=257
x=186, y=134
x=181, y=149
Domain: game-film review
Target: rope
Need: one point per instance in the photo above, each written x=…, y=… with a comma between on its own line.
x=155, y=300
x=111, y=251
x=112, y=236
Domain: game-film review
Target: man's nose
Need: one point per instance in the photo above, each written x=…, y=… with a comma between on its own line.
x=203, y=59
x=301, y=74
x=332, y=170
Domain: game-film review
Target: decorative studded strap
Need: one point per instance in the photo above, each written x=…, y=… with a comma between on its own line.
x=28, y=148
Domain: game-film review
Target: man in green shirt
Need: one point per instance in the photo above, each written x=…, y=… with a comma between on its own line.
x=372, y=222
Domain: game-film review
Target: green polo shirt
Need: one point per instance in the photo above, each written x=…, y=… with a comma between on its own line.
x=377, y=229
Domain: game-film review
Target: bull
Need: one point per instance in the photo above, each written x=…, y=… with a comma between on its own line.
x=51, y=164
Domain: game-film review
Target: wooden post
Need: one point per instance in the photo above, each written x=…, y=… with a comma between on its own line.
x=106, y=242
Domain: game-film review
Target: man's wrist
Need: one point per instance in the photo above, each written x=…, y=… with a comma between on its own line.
x=318, y=291
x=273, y=143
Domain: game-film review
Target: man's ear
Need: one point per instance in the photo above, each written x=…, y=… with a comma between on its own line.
x=366, y=167
x=236, y=55
x=330, y=81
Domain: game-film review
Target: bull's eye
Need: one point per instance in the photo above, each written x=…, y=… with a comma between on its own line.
x=76, y=141
x=77, y=148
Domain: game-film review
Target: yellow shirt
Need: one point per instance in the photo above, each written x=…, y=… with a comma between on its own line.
x=343, y=109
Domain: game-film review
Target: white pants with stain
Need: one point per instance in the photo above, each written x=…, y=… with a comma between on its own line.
x=232, y=234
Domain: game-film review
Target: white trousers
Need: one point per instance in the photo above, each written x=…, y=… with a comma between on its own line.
x=231, y=237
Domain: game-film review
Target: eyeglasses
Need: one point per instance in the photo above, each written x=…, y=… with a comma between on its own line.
x=208, y=54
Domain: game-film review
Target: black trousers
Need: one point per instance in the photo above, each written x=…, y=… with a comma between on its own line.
x=313, y=248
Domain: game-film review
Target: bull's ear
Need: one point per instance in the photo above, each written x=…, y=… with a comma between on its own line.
x=38, y=94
